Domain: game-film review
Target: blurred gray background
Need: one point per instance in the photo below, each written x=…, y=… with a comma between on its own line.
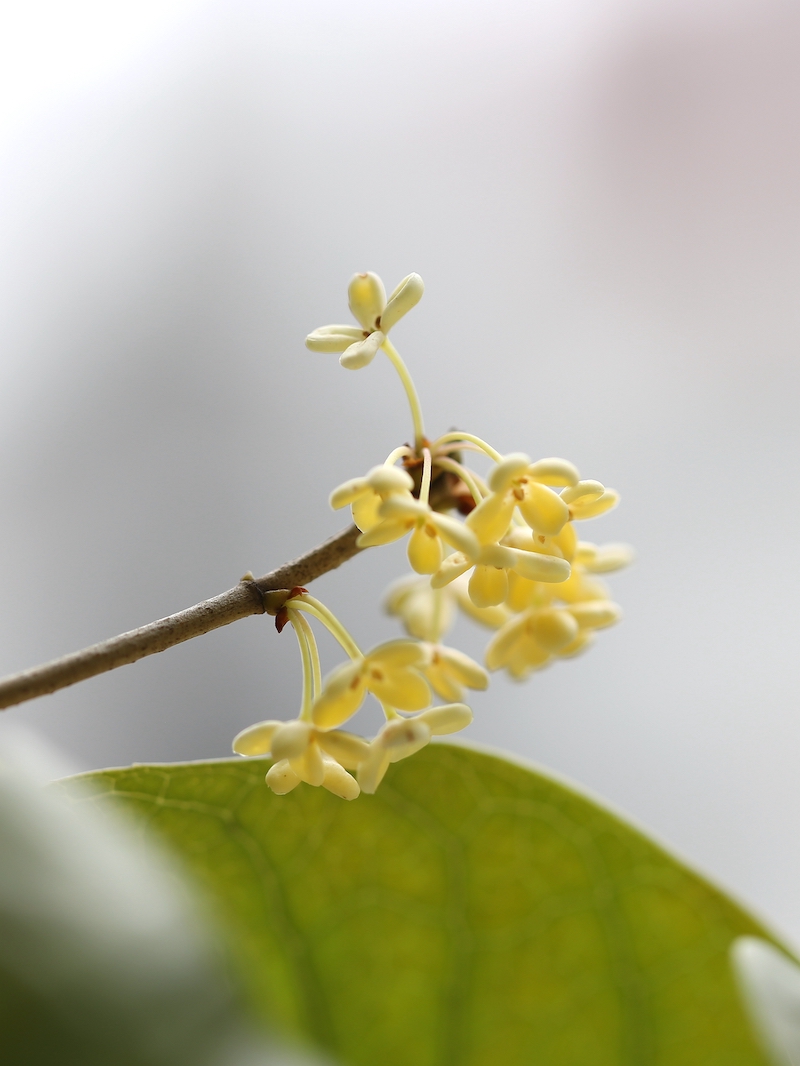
x=603, y=201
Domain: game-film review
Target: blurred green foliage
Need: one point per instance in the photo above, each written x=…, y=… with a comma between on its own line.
x=473, y=912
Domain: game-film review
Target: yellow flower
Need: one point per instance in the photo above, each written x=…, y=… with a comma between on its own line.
x=449, y=671
x=391, y=672
x=557, y=620
x=305, y=753
x=376, y=315
x=366, y=494
x=399, y=515
x=401, y=737
x=488, y=585
x=426, y=613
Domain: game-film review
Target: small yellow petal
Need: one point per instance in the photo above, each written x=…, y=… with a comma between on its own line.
x=348, y=492
x=372, y=770
x=492, y=617
x=556, y=472
x=443, y=684
x=399, y=652
x=346, y=748
x=456, y=534
x=400, y=687
x=466, y=670
x=567, y=541
x=502, y=644
x=583, y=490
x=552, y=628
x=504, y=473
x=581, y=643
x=402, y=737
x=527, y=656
x=425, y=612
x=491, y=518
x=333, y=338
x=281, y=778
x=365, y=511
x=403, y=505
x=543, y=509
x=453, y=566
x=593, y=508
x=596, y=614
x=362, y=352
x=387, y=479
x=407, y=295
x=610, y=557
x=337, y=780
x=291, y=739
x=521, y=591
x=538, y=567
x=309, y=766
x=256, y=739
x=488, y=586
x=367, y=298
x=449, y=718
x=341, y=696
x=425, y=550
x=385, y=532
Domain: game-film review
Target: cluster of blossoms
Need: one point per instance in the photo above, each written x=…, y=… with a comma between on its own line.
x=512, y=561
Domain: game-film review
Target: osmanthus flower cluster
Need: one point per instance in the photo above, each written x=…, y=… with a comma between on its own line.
x=401, y=674
x=503, y=548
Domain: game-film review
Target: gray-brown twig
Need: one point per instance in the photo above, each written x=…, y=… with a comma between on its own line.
x=249, y=597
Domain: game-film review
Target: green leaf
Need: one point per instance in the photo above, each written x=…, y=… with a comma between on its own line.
x=105, y=955
x=473, y=912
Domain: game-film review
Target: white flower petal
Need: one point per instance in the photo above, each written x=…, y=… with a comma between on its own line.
x=387, y=479
x=407, y=295
x=449, y=718
x=367, y=298
x=363, y=352
x=555, y=472
x=256, y=739
x=333, y=338
x=348, y=492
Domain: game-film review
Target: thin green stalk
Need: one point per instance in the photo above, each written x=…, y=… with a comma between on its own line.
x=466, y=475
x=308, y=675
x=411, y=393
x=313, y=649
x=490, y=451
x=329, y=620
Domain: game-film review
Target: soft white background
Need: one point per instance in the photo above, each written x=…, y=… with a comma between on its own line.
x=603, y=201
